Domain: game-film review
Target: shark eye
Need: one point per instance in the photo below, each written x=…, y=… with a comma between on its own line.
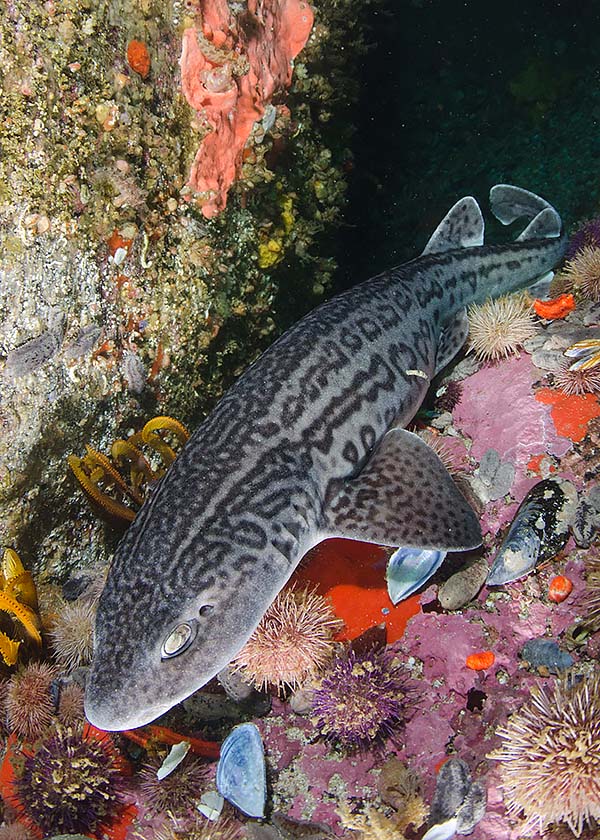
x=206, y=609
x=179, y=639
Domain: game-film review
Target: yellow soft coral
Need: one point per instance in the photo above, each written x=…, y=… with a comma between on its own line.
x=18, y=597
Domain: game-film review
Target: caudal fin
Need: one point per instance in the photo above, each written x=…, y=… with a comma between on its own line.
x=509, y=203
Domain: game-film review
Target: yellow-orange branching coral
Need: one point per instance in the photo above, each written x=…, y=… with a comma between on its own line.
x=18, y=598
x=116, y=486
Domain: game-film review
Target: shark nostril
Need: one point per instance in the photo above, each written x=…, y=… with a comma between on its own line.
x=206, y=609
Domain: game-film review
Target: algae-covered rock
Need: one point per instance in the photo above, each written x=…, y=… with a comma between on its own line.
x=119, y=299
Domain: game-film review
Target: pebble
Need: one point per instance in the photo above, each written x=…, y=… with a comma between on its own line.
x=493, y=478
x=301, y=701
x=235, y=686
x=592, y=315
x=463, y=585
x=550, y=360
x=443, y=421
x=545, y=655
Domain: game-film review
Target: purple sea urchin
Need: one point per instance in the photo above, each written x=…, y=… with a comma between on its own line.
x=360, y=701
x=587, y=236
x=497, y=328
x=71, y=635
x=577, y=381
x=178, y=791
x=292, y=642
x=448, y=395
x=71, y=782
x=29, y=705
x=550, y=757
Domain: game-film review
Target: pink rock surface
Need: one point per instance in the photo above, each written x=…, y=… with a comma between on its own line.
x=497, y=410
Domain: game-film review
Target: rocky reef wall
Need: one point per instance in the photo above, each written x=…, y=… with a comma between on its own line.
x=131, y=284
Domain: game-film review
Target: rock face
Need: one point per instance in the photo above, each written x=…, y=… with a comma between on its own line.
x=119, y=298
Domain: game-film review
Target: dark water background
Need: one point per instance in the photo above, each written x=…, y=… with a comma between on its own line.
x=458, y=96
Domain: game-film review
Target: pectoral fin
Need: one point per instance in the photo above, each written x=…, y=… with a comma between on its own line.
x=404, y=496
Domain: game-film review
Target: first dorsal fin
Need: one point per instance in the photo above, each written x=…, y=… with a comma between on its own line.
x=404, y=496
x=461, y=227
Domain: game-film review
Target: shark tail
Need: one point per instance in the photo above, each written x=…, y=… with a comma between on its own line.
x=509, y=203
x=529, y=261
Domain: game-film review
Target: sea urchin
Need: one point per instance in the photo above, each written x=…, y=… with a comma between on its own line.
x=178, y=791
x=588, y=235
x=582, y=273
x=498, y=327
x=360, y=701
x=71, y=635
x=582, y=381
x=29, y=704
x=70, y=782
x=203, y=829
x=550, y=757
x=292, y=642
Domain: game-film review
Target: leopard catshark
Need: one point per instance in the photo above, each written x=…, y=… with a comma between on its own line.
x=308, y=444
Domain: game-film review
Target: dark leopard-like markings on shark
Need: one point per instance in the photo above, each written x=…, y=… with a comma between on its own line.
x=309, y=443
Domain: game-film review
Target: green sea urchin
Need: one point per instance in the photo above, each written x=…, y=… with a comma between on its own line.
x=360, y=701
x=71, y=782
x=29, y=704
x=582, y=273
x=550, y=757
x=70, y=705
x=497, y=328
x=592, y=594
x=292, y=642
x=202, y=829
x=71, y=635
x=15, y=831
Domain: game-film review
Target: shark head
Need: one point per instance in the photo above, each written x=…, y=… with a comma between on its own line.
x=161, y=634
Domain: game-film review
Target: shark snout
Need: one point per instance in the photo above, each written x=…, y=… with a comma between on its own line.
x=114, y=703
x=115, y=715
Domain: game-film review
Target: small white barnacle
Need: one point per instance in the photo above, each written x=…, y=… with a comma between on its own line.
x=416, y=372
x=179, y=639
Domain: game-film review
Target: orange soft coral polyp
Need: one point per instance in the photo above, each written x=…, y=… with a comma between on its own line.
x=556, y=308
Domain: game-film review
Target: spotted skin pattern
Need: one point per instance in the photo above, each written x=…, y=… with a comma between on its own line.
x=247, y=497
